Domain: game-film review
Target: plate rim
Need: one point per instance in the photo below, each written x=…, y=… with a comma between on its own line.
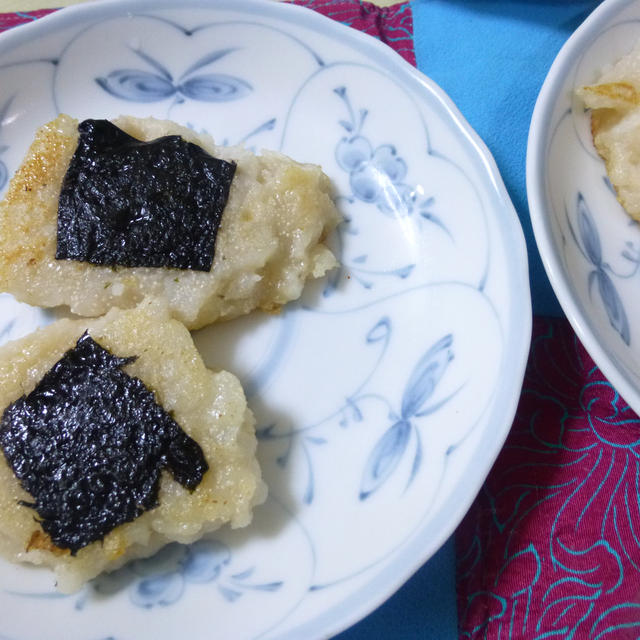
x=509, y=230
x=537, y=196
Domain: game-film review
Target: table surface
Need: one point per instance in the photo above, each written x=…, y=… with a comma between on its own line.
x=491, y=58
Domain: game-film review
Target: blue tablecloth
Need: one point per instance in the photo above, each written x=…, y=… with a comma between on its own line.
x=491, y=58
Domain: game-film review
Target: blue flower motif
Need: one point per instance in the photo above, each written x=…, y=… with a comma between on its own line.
x=376, y=175
x=139, y=85
x=205, y=561
x=159, y=590
x=390, y=448
x=160, y=581
x=588, y=241
x=384, y=457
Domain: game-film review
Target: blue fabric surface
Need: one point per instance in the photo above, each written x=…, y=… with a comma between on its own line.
x=491, y=58
x=425, y=607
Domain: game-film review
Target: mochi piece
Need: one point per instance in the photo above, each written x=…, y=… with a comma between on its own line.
x=614, y=101
x=209, y=407
x=271, y=237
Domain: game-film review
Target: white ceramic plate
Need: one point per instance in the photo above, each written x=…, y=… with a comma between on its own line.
x=589, y=245
x=385, y=394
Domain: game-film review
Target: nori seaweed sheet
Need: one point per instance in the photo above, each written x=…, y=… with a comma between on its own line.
x=140, y=204
x=89, y=443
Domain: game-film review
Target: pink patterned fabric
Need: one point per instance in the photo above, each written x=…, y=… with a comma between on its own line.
x=551, y=546
x=392, y=25
x=8, y=20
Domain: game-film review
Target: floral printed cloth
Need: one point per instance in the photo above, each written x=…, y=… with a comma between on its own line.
x=551, y=546
x=8, y=20
x=393, y=25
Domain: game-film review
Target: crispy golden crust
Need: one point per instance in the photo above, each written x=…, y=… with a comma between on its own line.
x=621, y=95
x=41, y=540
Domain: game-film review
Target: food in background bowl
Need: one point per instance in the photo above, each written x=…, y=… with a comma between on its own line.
x=615, y=125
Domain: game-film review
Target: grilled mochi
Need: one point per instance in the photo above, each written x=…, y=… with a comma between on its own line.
x=116, y=440
x=266, y=235
x=615, y=126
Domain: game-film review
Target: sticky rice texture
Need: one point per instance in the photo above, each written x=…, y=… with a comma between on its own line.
x=270, y=241
x=210, y=407
x=615, y=125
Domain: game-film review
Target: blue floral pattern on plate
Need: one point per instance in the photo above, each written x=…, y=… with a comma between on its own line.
x=388, y=450
x=587, y=240
x=376, y=175
x=141, y=85
x=402, y=399
x=161, y=580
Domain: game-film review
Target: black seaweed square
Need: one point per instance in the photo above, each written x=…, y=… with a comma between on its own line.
x=130, y=203
x=89, y=443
